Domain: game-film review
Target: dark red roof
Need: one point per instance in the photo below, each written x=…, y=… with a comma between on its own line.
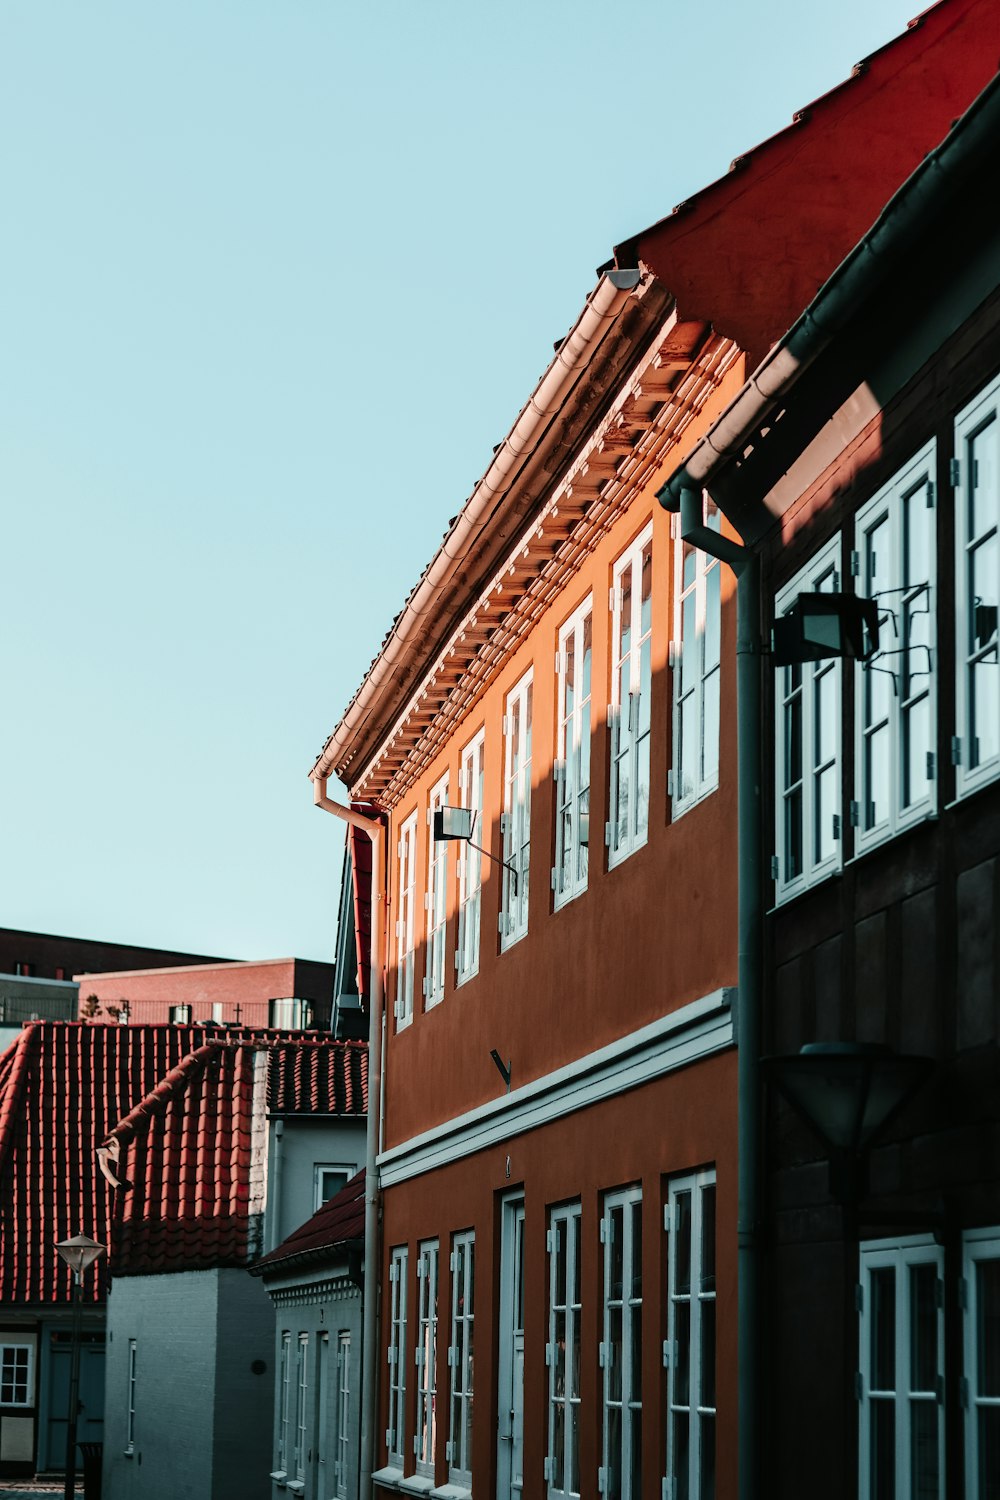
x=65, y=1086
x=318, y=1076
x=333, y=1228
x=749, y=252
x=189, y=1158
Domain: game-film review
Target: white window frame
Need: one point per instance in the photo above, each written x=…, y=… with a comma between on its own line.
x=909, y=674
x=629, y=1401
x=564, y=1245
x=697, y=667
x=425, y=1356
x=130, y=1400
x=470, y=861
x=406, y=853
x=395, y=1433
x=970, y=422
x=630, y=723
x=301, y=1442
x=901, y=1255
x=343, y=1411
x=436, y=901
x=15, y=1347
x=572, y=771
x=977, y=1245
x=320, y=1169
x=687, y=1315
x=515, y=821
x=460, y=1352
x=284, y=1404
x=823, y=567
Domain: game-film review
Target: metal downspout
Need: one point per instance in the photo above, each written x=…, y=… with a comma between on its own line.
x=745, y=563
x=369, y=1311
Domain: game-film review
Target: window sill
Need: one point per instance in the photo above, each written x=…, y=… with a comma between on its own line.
x=874, y=844
x=417, y=1484
x=279, y=1476
x=788, y=897
x=568, y=899
x=452, y=1491
x=463, y=979
x=296, y=1486
x=390, y=1477
x=620, y=856
x=679, y=807
x=506, y=943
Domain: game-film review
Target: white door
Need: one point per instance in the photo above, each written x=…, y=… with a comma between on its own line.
x=510, y=1355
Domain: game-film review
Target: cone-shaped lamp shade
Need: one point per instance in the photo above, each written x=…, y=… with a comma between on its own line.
x=79, y=1253
x=848, y=1091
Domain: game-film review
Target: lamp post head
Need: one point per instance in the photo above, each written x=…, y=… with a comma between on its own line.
x=847, y=1091
x=79, y=1253
x=820, y=626
x=453, y=823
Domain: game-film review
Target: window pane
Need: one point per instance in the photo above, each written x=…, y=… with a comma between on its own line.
x=690, y=665
x=587, y=654
x=707, y=1307
x=688, y=741
x=826, y=794
x=985, y=489
x=646, y=616
x=882, y=1456
x=983, y=710
x=636, y=1246
x=793, y=835
x=924, y=1458
x=708, y=1238
x=988, y=1435
x=710, y=747
x=614, y=1467
x=883, y=1329
x=916, y=747
x=625, y=617
x=706, y=1425
x=679, y=1453
x=634, y=1419
x=682, y=1337
x=712, y=616
x=877, y=777
x=793, y=741
x=988, y=1328
x=682, y=1243
x=635, y=1390
x=923, y=1328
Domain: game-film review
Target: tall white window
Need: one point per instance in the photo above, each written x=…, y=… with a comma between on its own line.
x=629, y=711
x=901, y=1370
x=285, y=1377
x=516, y=819
x=301, y=1437
x=323, y=1447
x=981, y=1358
x=807, y=758
x=343, y=1411
x=426, y=1357
x=696, y=655
x=621, y=1346
x=894, y=692
x=463, y=1286
x=562, y=1466
x=572, y=769
x=470, y=863
x=406, y=850
x=689, y=1354
x=395, y=1432
x=130, y=1412
x=15, y=1374
x=977, y=589
x=436, y=902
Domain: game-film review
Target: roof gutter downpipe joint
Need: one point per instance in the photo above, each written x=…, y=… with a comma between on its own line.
x=681, y=494
x=369, y=1311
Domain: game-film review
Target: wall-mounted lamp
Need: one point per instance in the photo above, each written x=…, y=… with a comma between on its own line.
x=459, y=823
x=504, y=1072
x=847, y=1092
x=819, y=626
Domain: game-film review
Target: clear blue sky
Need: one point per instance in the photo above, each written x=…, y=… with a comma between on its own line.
x=275, y=278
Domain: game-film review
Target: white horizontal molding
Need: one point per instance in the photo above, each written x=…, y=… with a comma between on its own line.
x=696, y=1030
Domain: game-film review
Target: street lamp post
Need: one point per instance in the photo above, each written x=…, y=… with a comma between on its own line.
x=79, y=1253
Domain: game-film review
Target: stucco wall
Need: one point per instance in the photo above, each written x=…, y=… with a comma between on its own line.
x=304, y=1144
x=196, y=1334
x=316, y=1305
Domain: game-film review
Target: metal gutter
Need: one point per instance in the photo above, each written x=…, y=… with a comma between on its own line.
x=414, y=623
x=925, y=193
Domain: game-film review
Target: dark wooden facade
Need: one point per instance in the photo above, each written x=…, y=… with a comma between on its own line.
x=901, y=946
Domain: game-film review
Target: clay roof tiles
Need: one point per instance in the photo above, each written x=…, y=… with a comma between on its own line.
x=66, y=1087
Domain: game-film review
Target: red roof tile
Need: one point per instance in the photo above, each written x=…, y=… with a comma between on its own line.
x=183, y=1157
x=338, y=1224
x=319, y=1076
x=65, y=1086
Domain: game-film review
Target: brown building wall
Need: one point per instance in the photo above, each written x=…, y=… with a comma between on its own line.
x=651, y=934
x=682, y=1121
x=250, y=986
x=43, y=955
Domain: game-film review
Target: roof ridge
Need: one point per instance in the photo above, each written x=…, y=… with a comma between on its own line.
x=22, y=1055
x=172, y=1083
